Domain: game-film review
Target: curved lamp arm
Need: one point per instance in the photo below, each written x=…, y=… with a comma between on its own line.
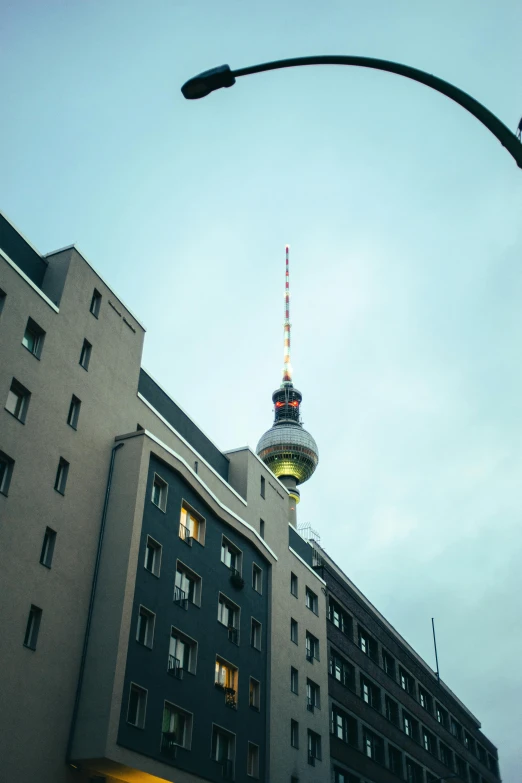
x=208, y=81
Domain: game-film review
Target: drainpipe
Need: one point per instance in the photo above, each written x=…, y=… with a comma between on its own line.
x=91, y=606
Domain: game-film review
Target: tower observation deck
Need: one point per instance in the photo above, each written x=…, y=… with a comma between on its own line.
x=287, y=448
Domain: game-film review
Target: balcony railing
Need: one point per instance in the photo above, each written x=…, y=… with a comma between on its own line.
x=168, y=744
x=184, y=534
x=227, y=769
x=180, y=597
x=233, y=634
x=236, y=578
x=175, y=668
x=230, y=698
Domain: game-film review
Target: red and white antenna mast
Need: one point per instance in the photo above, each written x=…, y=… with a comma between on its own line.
x=287, y=368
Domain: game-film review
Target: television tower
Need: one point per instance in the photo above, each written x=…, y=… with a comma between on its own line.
x=287, y=448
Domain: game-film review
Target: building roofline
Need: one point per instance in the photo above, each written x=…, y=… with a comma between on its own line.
x=22, y=235
x=389, y=627
x=28, y=280
x=111, y=289
x=247, y=448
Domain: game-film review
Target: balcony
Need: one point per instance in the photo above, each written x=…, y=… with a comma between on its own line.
x=184, y=534
x=230, y=698
x=236, y=579
x=175, y=668
x=233, y=634
x=168, y=744
x=180, y=597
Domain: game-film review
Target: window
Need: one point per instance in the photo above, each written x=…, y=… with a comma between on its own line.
x=312, y=647
x=183, y=654
x=176, y=729
x=343, y=671
x=442, y=715
x=413, y=772
x=481, y=753
x=373, y=746
x=226, y=676
x=410, y=726
x=341, y=776
x=95, y=303
x=407, y=682
x=293, y=584
x=255, y=634
x=262, y=528
x=2, y=300
x=153, y=556
x=187, y=586
x=33, y=338
x=223, y=750
x=257, y=578
x=294, y=628
x=428, y=741
x=340, y=618
x=370, y=693
x=85, y=355
x=159, y=492
x=473, y=775
x=313, y=695
x=425, y=700
x=456, y=729
x=314, y=747
x=74, y=412
x=294, y=734
x=388, y=664
x=469, y=742
x=46, y=556
x=145, y=627
x=446, y=755
x=392, y=710
x=228, y=614
x=294, y=680
x=137, y=706
x=344, y=727
x=33, y=627
x=17, y=401
x=395, y=760
x=312, y=602
x=6, y=471
x=367, y=644
x=253, y=760
x=61, y=476
x=460, y=768
x=191, y=526
x=254, y=693
x=262, y=486
x=231, y=555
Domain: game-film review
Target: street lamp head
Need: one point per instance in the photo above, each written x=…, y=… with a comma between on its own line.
x=208, y=81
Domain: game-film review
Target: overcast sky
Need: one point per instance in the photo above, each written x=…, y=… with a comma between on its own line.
x=404, y=219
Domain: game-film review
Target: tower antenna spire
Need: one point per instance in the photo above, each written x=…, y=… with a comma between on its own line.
x=287, y=367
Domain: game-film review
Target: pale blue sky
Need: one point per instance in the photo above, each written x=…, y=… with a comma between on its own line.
x=404, y=219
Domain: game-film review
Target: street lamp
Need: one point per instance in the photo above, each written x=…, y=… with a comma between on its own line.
x=222, y=76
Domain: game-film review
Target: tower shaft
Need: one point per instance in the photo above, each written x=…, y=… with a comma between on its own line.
x=287, y=367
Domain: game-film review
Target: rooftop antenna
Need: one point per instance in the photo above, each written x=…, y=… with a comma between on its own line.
x=287, y=367
x=435, y=645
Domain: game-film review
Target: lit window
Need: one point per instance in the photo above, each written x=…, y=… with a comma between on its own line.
x=411, y=727
x=294, y=680
x=145, y=627
x=368, y=645
x=370, y=693
x=183, y=652
x=340, y=618
x=228, y=614
x=224, y=751
x=343, y=671
x=137, y=706
x=312, y=602
x=62, y=473
x=255, y=634
x=226, y=677
x=95, y=303
x=33, y=338
x=425, y=700
x=442, y=716
x=293, y=584
x=407, y=682
x=428, y=740
x=46, y=556
x=153, y=556
x=85, y=355
x=6, y=471
x=176, y=729
x=187, y=586
x=33, y=627
x=294, y=734
x=18, y=400
x=254, y=693
x=191, y=526
x=257, y=578
x=294, y=630
x=74, y=412
x=159, y=492
x=253, y=760
x=344, y=727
